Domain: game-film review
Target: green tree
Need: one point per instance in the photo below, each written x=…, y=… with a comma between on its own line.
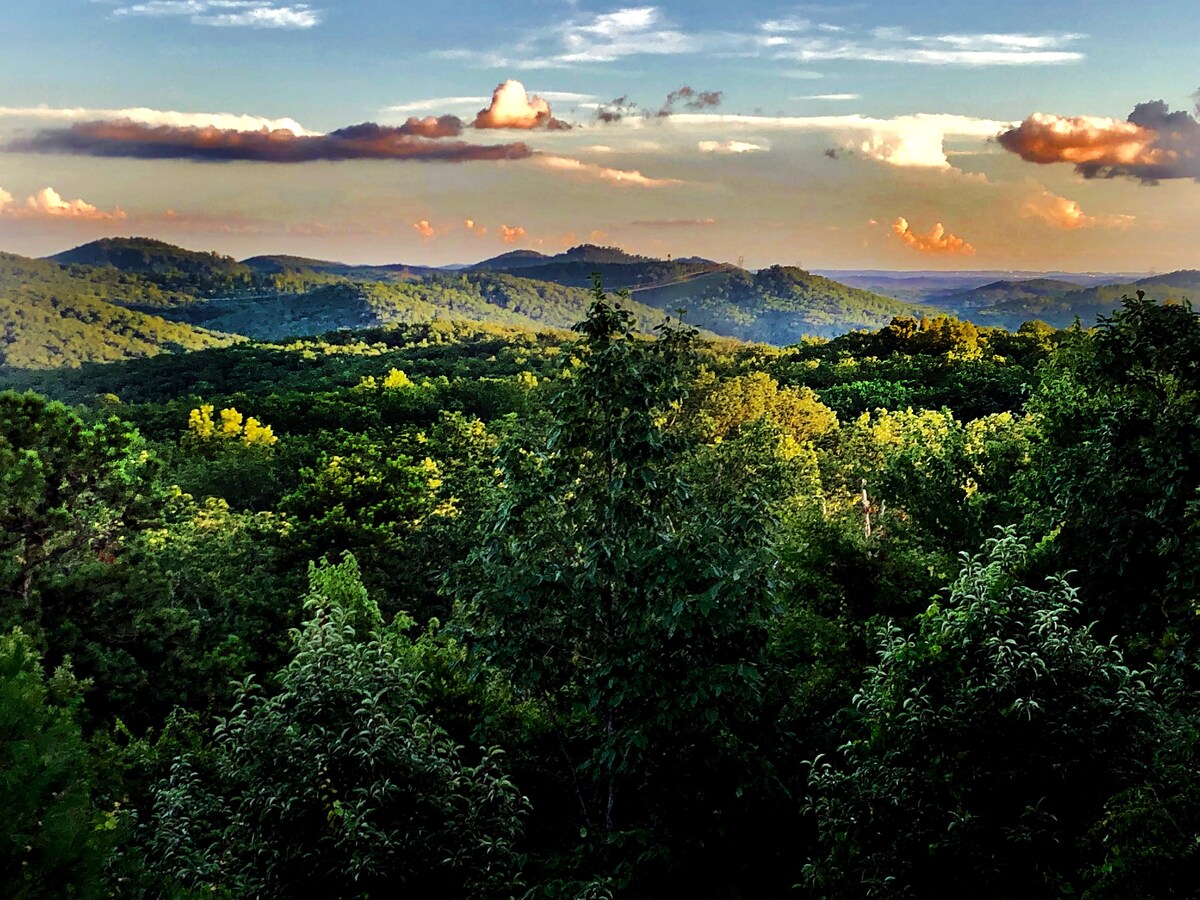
x=634, y=616
x=48, y=836
x=338, y=782
x=983, y=746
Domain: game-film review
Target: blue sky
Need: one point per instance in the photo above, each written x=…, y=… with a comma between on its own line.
x=835, y=122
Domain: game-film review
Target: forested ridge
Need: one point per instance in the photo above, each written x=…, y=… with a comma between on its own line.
x=474, y=610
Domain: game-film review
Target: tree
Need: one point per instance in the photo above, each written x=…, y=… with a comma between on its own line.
x=69, y=493
x=983, y=746
x=634, y=616
x=338, y=782
x=48, y=837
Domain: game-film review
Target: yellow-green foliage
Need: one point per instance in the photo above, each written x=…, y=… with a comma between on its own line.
x=233, y=427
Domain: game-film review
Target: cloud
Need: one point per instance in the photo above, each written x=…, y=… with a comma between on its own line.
x=692, y=100
x=228, y=13
x=1063, y=213
x=144, y=116
x=432, y=127
x=474, y=228
x=936, y=241
x=1153, y=144
x=896, y=45
x=625, y=32
x=908, y=141
x=49, y=204
x=424, y=229
x=603, y=173
x=510, y=234
x=830, y=97
x=673, y=223
x=615, y=110
x=513, y=107
x=729, y=147
x=365, y=141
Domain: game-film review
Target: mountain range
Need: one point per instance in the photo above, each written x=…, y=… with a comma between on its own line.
x=126, y=297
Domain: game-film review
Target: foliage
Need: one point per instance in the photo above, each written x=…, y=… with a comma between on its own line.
x=338, y=781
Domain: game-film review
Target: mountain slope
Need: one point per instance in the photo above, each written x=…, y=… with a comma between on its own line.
x=164, y=264
x=778, y=305
x=51, y=316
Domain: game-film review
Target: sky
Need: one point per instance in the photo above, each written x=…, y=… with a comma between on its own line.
x=875, y=135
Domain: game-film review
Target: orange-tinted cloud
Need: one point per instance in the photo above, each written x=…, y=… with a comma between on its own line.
x=936, y=241
x=366, y=141
x=510, y=234
x=513, y=107
x=604, y=173
x=424, y=229
x=1064, y=213
x=49, y=204
x=472, y=226
x=1153, y=144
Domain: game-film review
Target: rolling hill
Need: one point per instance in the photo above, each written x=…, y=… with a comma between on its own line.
x=51, y=316
x=163, y=264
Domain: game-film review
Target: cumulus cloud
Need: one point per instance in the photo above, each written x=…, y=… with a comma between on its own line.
x=513, y=107
x=472, y=226
x=366, y=141
x=1061, y=212
x=144, y=116
x=729, y=147
x=510, y=234
x=936, y=241
x=49, y=204
x=603, y=173
x=910, y=141
x=228, y=13
x=424, y=229
x=1153, y=144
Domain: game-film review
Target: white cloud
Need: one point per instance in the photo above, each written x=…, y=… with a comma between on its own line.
x=228, y=13
x=729, y=147
x=155, y=117
x=912, y=141
x=896, y=45
x=831, y=97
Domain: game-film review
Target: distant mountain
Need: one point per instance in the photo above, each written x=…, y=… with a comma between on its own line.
x=617, y=269
x=51, y=316
x=998, y=292
x=777, y=305
x=302, y=267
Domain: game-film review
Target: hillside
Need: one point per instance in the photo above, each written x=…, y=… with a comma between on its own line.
x=778, y=305
x=617, y=269
x=164, y=264
x=52, y=317
x=476, y=297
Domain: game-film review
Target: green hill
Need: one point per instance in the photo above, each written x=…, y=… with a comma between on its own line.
x=163, y=264
x=577, y=266
x=52, y=316
x=778, y=305
x=477, y=297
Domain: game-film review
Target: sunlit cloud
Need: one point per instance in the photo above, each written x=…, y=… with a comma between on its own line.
x=424, y=229
x=907, y=141
x=729, y=147
x=630, y=177
x=513, y=107
x=936, y=241
x=228, y=13
x=510, y=234
x=144, y=116
x=49, y=204
x=475, y=228
x=1061, y=212
x=1152, y=145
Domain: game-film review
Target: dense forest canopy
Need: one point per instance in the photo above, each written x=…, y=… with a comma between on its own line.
x=486, y=610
